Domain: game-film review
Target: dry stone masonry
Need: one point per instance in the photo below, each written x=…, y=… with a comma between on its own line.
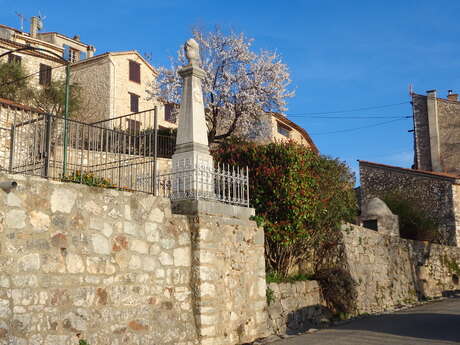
x=120, y=268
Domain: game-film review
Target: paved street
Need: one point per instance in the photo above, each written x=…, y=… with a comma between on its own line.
x=434, y=323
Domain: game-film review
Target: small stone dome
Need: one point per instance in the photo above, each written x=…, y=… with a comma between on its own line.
x=376, y=208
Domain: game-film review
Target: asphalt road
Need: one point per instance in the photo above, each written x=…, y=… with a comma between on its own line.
x=433, y=323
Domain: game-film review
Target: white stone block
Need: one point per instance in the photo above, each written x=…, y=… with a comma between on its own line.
x=100, y=244
x=74, y=263
x=182, y=256
x=62, y=200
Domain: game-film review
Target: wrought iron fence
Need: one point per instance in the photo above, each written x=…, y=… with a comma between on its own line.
x=109, y=154
x=223, y=183
x=95, y=154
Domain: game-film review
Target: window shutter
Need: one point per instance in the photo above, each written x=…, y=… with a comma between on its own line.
x=134, y=71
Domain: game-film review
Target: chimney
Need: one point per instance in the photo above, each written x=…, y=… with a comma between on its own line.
x=34, y=26
x=90, y=51
x=452, y=96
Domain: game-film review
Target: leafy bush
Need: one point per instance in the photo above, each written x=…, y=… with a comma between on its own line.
x=300, y=198
x=414, y=222
x=88, y=179
x=339, y=289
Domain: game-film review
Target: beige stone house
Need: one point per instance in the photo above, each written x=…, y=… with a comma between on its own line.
x=115, y=84
x=49, y=63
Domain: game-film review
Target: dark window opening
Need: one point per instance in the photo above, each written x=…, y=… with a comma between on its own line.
x=14, y=59
x=170, y=115
x=134, y=101
x=45, y=75
x=371, y=224
x=134, y=126
x=134, y=71
x=283, y=129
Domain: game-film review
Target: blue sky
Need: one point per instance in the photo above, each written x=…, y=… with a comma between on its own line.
x=342, y=55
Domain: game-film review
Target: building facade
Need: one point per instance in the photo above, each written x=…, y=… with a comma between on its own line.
x=52, y=50
x=436, y=132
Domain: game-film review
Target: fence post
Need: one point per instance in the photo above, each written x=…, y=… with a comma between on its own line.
x=47, y=145
x=155, y=163
x=10, y=168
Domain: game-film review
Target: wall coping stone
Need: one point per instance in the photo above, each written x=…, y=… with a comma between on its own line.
x=213, y=208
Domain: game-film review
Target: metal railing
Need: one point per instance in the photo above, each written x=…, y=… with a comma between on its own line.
x=224, y=183
x=107, y=155
x=95, y=154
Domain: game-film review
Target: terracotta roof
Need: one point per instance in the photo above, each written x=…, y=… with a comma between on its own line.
x=101, y=56
x=414, y=171
x=12, y=104
x=294, y=125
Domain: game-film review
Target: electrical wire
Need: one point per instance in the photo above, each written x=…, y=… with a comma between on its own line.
x=350, y=110
x=357, y=117
x=357, y=128
x=27, y=76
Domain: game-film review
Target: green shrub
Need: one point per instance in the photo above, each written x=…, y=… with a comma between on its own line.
x=414, y=222
x=339, y=290
x=88, y=179
x=300, y=198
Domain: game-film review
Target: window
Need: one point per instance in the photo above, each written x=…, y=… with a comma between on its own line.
x=170, y=115
x=134, y=102
x=283, y=129
x=14, y=59
x=134, y=126
x=134, y=71
x=45, y=75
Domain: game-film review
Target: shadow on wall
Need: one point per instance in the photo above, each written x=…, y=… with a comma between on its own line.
x=301, y=320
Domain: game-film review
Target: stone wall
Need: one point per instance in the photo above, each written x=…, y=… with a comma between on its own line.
x=449, y=135
x=120, y=268
x=391, y=271
x=295, y=307
x=434, y=192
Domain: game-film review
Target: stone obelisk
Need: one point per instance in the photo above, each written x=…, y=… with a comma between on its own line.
x=192, y=149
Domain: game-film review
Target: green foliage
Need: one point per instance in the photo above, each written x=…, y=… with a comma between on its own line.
x=275, y=277
x=301, y=198
x=49, y=99
x=83, y=342
x=13, y=85
x=88, y=179
x=270, y=294
x=339, y=290
x=451, y=265
x=414, y=222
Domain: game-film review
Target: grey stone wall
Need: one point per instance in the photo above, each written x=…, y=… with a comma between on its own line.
x=449, y=134
x=295, y=307
x=422, y=133
x=120, y=268
x=432, y=191
x=391, y=272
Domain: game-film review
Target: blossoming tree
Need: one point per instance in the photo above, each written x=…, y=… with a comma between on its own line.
x=240, y=86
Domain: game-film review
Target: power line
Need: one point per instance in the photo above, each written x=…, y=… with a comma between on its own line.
x=357, y=128
x=357, y=117
x=350, y=110
x=27, y=76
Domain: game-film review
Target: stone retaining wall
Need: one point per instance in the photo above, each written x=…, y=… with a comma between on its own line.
x=119, y=268
x=391, y=271
x=295, y=307
x=437, y=194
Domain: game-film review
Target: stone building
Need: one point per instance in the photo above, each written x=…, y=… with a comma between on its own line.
x=47, y=63
x=436, y=132
x=115, y=84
